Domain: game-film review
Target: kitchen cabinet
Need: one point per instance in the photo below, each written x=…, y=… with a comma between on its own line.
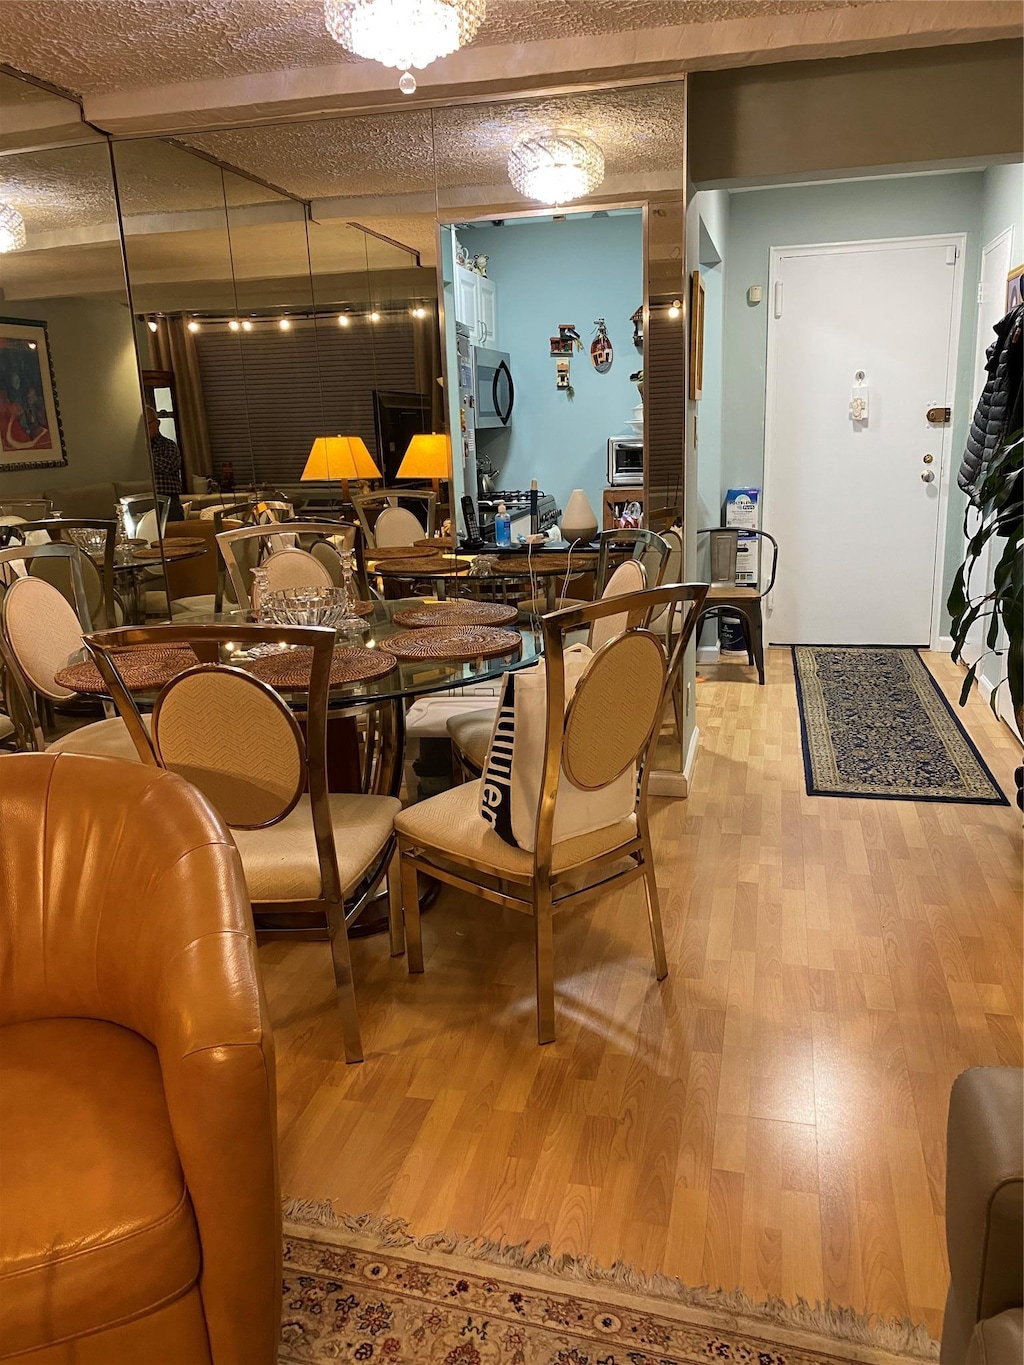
x=476, y=305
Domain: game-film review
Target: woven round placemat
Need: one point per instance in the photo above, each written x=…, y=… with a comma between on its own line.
x=433, y=566
x=193, y=542
x=436, y=543
x=455, y=642
x=152, y=552
x=143, y=669
x=291, y=667
x=455, y=614
x=383, y=552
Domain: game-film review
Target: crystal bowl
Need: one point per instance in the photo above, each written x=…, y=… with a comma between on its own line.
x=91, y=541
x=306, y=606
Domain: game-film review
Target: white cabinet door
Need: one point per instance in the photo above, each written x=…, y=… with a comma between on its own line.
x=487, y=312
x=466, y=296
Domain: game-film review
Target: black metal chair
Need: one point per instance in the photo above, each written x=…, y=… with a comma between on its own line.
x=741, y=600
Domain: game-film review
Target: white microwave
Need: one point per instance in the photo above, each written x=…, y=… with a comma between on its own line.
x=626, y=461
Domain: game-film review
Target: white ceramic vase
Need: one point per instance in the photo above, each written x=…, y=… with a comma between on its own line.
x=579, y=521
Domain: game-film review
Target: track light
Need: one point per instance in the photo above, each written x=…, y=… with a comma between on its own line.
x=343, y=320
x=375, y=317
x=419, y=312
x=193, y=326
x=246, y=325
x=675, y=309
x=235, y=325
x=153, y=324
x=285, y=324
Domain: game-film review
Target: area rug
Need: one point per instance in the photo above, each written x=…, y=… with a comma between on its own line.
x=875, y=723
x=364, y=1289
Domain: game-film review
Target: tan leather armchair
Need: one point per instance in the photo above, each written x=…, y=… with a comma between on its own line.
x=139, y=1205
x=984, y=1320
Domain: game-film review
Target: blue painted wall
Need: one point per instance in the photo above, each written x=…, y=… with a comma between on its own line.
x=546, y=273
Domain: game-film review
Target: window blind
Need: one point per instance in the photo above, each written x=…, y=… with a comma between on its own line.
x=268, y=394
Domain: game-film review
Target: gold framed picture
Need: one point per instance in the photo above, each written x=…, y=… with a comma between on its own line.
x=1014, y=286
x=31, y=436
x=696, y=335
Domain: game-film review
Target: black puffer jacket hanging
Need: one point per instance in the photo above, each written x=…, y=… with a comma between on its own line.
x=998, y=413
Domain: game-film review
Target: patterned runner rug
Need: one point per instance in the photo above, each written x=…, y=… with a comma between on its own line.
x=875, y=723
x=363, y=1289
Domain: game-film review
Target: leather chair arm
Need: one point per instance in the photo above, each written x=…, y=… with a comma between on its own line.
x=998, y=1340
x=984, y=1198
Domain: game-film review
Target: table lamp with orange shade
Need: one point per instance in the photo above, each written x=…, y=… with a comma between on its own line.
x=428, y=456
x=339, y=457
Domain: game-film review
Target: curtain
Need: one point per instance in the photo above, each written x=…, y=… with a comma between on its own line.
x=427, y=345
x=173, y=348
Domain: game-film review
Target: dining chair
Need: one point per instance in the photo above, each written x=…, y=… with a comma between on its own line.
x=40, y=632
x=610, y=723
x=247, y=547
x=100, y=590
x=648, y=548
x=395, y=524
x=235, y=738
x=470, y=733
x=145, y=515
x=739, y=599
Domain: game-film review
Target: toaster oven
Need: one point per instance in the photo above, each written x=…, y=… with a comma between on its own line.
x=626, y=461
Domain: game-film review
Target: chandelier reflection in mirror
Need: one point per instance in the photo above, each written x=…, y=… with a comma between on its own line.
x=404, y=33
x=12, y=229
x=555, y=167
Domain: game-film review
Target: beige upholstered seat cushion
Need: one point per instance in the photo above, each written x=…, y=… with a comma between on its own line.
x=452, y=823
x=280, y=862
x=472, y=733
x=6, y=726
x=102, y=739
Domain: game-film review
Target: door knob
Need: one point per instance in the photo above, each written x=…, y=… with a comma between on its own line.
x=927, y=476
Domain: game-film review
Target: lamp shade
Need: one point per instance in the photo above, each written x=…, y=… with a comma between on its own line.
x=427, y=457
x=339, y=457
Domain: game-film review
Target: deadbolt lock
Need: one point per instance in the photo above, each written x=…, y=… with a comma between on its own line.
x=928, y=459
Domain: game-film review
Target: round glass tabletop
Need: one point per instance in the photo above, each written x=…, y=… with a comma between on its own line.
x=409, y=677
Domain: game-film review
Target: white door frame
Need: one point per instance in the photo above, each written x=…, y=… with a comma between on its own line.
x=943, y=436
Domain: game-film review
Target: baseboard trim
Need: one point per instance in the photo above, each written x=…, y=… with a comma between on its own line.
x=708, y=654
x=943, y=645
x=672, y=784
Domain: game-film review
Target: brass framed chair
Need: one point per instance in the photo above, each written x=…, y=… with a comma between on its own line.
x=40, y=631
x=649, y=549
x=145, y=514
x=28, y=509
x=611, y=722
x=247, y=547
x=739, y=599
x=394, y=523
x=100, y=590
x=235, y=738
x=470, y=733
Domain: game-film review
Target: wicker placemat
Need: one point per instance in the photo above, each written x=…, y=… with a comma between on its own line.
x=143, y=668
x=521, y=566
x=362, y=608
x=457, y=613
x=193, y=542
x=170, y=551
x=433, y=566
x=401, y=551
x=455, y=642
x=437, y=543
x=291, y=667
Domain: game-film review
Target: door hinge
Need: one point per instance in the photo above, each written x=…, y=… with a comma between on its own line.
x=952, y=255
x=981, y=293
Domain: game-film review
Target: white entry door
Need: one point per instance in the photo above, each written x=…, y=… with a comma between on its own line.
x=853, y=496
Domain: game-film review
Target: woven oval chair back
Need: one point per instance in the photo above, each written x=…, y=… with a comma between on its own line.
x=614, y=710
x=43, y=633
x=232, y=736
x=397, y=526
x=627, y=578
x=295, y=568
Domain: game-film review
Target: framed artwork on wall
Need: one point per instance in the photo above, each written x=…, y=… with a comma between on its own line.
x=1014, y=284
x=696, y=335
x=31, y=436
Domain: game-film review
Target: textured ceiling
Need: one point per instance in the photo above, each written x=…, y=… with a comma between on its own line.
x=98, y=46
x=68, y=188
x=639, y=131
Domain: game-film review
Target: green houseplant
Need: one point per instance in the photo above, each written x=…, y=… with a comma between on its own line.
x=1000, y=501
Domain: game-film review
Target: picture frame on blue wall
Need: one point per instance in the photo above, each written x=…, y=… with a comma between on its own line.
x=696, y=336
x=31, y=435
x=1015, y=288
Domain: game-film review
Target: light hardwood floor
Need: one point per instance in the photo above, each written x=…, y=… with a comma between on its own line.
x=771, y=1116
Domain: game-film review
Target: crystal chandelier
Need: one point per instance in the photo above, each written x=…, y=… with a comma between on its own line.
x=403, y=33
x=12, y=229
x=555, y=167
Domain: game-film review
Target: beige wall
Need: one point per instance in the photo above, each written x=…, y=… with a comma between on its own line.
x=893, y=110
x=97, y=381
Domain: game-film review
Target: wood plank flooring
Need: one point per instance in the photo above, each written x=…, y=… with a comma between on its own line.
x=770, y=1117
